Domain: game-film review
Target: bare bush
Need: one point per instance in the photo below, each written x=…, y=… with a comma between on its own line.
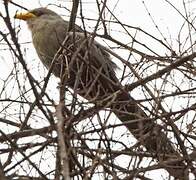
x=49, y=131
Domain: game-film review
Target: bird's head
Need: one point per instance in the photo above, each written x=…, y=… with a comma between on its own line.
x=38, y=14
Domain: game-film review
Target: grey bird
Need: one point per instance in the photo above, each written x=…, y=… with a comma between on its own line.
x=91, y=73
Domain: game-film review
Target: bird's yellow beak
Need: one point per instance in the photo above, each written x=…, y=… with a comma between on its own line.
x=24, y=16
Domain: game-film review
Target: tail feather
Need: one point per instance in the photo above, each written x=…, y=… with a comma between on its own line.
x=148, y=133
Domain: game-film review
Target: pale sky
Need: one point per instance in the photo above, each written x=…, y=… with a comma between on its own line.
x=131, y=12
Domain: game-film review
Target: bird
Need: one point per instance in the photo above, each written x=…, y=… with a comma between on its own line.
x=90, y=72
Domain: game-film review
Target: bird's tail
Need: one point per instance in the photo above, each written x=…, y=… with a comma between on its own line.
x=148, y=133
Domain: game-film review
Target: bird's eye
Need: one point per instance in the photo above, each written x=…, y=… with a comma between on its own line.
x=37, y=13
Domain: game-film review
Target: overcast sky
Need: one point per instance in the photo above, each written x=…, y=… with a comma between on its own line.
x=132, y=12
x=164, y=22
